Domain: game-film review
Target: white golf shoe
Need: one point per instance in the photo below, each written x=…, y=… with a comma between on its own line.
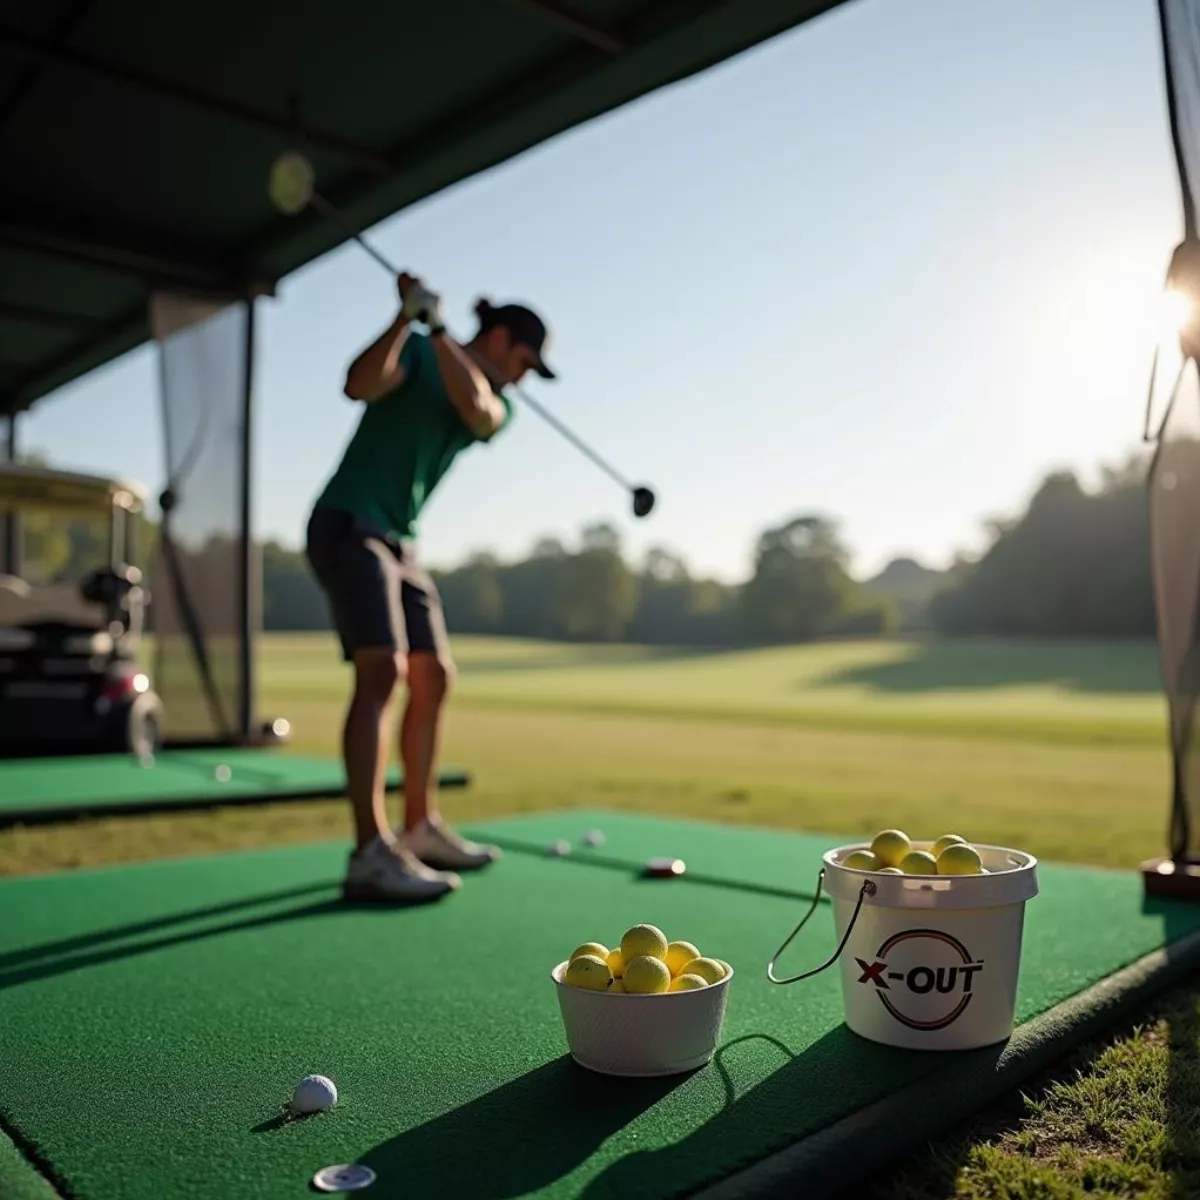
x=437, y=845
x=388, y=871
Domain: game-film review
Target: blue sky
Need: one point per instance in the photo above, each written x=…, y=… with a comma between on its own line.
x=892, y=266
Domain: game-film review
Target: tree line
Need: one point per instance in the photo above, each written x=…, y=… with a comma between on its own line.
x=1074, y=562
x=590, y=592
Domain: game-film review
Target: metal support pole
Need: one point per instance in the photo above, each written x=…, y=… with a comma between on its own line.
x=1188, y=200
x=133, y=541
x=114, y=536
x=249, y=600
x=12, y=521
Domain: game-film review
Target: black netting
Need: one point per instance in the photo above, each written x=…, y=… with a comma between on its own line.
x=197, y=607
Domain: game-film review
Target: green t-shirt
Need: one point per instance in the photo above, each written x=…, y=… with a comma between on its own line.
x=404, y=444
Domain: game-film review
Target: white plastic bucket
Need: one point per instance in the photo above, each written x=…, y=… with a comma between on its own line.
x=646, y=1035
x=929, y=962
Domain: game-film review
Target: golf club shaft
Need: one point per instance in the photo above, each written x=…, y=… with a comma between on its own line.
x=326, y=209
x=575, y=441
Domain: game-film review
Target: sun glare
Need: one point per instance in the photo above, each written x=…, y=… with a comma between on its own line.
x=1177, y=311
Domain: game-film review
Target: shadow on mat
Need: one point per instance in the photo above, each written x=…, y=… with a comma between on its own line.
x=60, y=966
x=285, y=1116
x=85, y=941
x=838, y=1075
x=518, y=1138
x=604, y=862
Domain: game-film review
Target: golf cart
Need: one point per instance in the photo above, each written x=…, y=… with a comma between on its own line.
x=69, y=675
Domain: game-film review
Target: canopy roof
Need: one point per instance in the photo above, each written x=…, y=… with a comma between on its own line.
x=23, y=487
x=136, y=137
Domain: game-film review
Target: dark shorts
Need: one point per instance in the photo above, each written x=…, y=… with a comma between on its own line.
x=379, y=596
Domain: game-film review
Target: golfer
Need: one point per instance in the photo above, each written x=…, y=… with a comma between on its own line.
x=426, y=399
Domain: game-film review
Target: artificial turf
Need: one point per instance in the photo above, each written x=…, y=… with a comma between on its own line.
x=153, y=1019
x=33, y=789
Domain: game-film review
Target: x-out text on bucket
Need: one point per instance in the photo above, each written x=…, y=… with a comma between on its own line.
x=924, y=977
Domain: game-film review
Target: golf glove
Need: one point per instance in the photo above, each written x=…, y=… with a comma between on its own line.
x=423, y=305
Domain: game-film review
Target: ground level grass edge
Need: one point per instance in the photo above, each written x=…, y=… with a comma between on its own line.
x=20, y=1179
x=863, y=1149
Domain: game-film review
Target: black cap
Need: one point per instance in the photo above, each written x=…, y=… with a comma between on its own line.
x=524, y=325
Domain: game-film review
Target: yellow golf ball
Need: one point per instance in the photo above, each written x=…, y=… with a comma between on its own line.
x=918, y=862
x=890, y=847
x=687, y=983
x=588, y=972
x=947, y=839
x=644, y=939
x=592, y=948
x=861, y=860
x=959, y=859
x=616, y=963
x=679, y=953
x=724, y=966
x=708, y=969
x=645, y=974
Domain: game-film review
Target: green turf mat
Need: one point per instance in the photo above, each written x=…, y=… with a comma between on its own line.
x=49, y=788
x=737, y=855
x=155, y=1017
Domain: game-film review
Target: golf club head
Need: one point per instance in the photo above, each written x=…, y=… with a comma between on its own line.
x=643, y=501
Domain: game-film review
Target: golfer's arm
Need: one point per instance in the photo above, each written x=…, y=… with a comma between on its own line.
x=468, y=388
x=377, y=370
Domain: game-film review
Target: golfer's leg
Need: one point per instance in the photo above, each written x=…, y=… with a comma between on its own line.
x=421, y=734
x=381, y=867
x=365, y=740
x=430, y=672
x=362, y=578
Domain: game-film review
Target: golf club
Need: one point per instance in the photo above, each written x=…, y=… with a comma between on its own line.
x=292, y=188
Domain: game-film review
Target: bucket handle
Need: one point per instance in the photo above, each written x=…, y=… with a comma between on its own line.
x=867, y=889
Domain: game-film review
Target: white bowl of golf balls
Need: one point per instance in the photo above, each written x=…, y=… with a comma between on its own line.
x=649, y=1006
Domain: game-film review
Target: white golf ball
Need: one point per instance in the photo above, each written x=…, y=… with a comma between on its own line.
x=314, y=1093
x=559, y=848
x=222, y=773
x=593, y=838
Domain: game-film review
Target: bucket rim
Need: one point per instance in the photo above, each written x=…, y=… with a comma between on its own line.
x=1012, y=885
x=557, y=971
x=1028, y=861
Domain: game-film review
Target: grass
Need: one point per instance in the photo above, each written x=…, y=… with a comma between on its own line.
x=1010, y=741
x=1057, y=748
x=1080, y=693
x=1013, y=741
x=1120, y=1118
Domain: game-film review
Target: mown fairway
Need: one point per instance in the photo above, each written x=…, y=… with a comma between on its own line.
x=1054, y=747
